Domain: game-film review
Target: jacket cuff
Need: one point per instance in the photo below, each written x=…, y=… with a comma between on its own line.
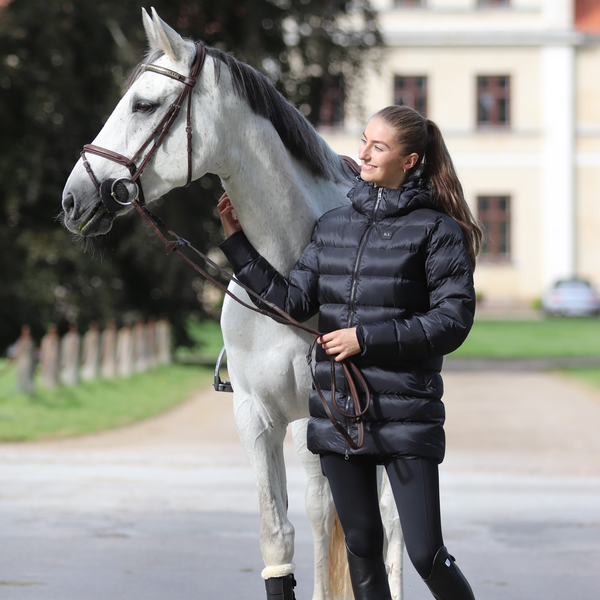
x=238, y=250
x=360, y=336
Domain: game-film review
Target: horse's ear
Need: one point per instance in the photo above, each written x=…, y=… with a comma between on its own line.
x=174, y=46
x=150, y=30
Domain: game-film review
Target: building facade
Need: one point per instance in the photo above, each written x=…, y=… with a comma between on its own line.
x=515, y=87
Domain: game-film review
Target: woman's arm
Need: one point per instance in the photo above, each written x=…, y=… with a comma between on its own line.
x=343, y=342
x=296, y=294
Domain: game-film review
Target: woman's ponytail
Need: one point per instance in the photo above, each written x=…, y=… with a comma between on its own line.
x=423, y=137
x=447, y=190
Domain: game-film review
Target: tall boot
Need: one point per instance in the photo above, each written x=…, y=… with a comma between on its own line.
x=369, y=578
x=446, y=581
x=281, y=588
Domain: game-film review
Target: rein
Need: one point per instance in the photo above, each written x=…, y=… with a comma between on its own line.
x=114, y=196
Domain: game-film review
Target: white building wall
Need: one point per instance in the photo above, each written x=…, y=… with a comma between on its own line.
x=558, y=158
x=548, y=161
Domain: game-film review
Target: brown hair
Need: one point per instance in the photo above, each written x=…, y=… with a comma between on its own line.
x=423, y=137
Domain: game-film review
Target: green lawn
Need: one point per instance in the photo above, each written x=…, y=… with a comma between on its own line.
x=547, y=338
x=589, y=375
x=207, y=338
x=95, y=405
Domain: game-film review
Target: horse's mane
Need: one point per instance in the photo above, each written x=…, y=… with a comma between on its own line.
x=296, y=133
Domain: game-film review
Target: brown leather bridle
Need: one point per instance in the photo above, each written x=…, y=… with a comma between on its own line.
x=110, y=191
x=114, y=196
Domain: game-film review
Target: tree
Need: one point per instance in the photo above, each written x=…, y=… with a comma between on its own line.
x=62, y=66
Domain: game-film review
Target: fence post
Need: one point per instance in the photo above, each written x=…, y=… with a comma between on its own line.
x=50, y=358
x=25, y=360
x=151, y=344
x=70, y=355
x=109, y=350
x=124, y=351
x=163, y=342
x=139, y=346
x=90, y=363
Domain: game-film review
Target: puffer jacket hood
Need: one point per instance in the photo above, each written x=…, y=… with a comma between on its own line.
x=397, y=270
x=413, y=194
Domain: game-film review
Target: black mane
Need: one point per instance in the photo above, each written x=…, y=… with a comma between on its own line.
x=296, y=133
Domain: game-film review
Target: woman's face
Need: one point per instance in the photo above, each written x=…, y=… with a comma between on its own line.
x=383, y=162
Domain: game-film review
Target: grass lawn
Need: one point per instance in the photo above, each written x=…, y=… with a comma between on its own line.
x=547, y=338
x=95, y=405
x=207, y=338
x=589, y=375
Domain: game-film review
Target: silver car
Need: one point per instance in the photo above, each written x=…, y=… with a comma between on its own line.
x=571, y=297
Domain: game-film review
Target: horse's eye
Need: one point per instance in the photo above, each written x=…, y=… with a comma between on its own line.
x=144, y=107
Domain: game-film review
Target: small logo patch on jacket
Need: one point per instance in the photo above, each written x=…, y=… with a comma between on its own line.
x=386, y=235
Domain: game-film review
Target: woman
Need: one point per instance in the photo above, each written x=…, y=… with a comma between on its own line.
x=391, y=276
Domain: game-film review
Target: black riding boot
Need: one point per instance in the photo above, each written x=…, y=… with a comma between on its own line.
x=446, y=581
x=281, y=588
x=369, y=578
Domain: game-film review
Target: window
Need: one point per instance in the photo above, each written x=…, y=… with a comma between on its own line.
x=493, y=101
x=587, y=16
x=493, y=2
x=411, y=91
x=493, y=213
x=331, y=108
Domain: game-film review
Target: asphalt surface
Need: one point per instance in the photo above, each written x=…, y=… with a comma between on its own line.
x=167, y=509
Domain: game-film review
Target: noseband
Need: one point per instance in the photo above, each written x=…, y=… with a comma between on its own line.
x=113, y=192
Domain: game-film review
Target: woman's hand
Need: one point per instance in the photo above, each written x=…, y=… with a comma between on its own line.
x=228, y=219
x=342, y=342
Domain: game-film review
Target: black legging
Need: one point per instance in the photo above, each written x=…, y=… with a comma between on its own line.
x=415, y=484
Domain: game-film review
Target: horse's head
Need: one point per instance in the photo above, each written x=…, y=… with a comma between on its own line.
x=149, y=98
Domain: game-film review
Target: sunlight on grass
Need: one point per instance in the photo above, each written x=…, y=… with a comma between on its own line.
x=95, y=405
x=207, y=337
x=532, y=339
x=589, y=375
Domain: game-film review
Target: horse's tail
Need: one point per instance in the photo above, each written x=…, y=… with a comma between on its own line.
x=339, y=575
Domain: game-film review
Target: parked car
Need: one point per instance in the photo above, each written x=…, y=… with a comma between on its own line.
x=571, y=297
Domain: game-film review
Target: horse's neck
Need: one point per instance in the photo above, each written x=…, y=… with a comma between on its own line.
x=275, y=197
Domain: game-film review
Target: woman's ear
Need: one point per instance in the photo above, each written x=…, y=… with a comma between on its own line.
x=410, y=161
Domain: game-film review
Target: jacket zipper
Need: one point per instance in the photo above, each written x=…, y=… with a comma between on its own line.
x=361, y=248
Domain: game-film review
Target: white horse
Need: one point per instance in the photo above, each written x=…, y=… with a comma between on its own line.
x=281, y=176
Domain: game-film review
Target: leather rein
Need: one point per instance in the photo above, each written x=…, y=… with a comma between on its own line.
x=114, y=196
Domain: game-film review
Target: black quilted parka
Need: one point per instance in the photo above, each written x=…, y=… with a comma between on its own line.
x=398, y=270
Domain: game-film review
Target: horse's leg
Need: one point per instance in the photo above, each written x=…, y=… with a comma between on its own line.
x=319, y=509
x=262, y=438
x=394, y=542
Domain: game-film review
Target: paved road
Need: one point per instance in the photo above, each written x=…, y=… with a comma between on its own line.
x=166, y=509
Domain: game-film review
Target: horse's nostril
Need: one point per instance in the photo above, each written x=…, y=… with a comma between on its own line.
x=68, y=203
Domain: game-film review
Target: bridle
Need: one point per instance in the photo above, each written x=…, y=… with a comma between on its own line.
x=114, y=196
